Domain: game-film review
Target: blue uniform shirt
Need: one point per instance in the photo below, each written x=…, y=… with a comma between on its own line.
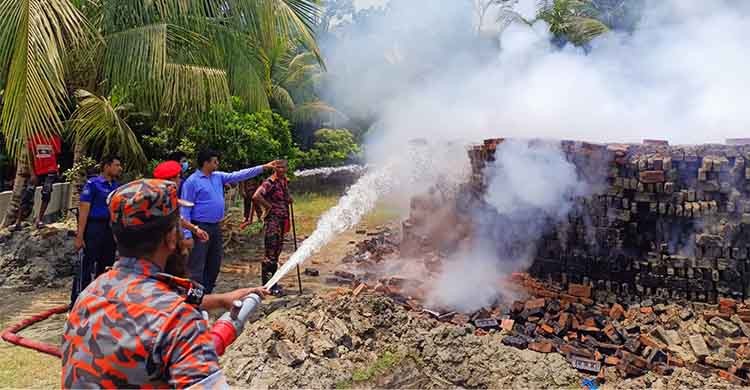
x=207, y=193
x=95, y=191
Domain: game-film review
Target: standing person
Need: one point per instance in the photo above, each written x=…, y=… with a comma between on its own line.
x=273, y=196
x=44, y=150
x=249, y=206
x=139, y=325
x=205, y=190
x=171, y=170
x=182, y=159
x=94, y=234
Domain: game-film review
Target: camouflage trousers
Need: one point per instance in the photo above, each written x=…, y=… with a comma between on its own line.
x=274, y=243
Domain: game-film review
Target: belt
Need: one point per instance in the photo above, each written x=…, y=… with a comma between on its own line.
x=194, y=222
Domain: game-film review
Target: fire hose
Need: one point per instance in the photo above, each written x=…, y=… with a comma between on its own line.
x=10, y=334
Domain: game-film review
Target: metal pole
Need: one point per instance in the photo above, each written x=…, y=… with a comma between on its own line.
x=294, y=237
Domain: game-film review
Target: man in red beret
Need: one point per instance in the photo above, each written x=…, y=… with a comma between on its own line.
x=171, y=170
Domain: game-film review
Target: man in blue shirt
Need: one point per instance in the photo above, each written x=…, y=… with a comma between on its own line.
x=94, y=234
x=205, y=189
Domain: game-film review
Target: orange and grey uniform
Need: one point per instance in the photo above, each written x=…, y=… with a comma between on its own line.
x=132, y=327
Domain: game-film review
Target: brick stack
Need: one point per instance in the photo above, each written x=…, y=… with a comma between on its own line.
x=668, y=222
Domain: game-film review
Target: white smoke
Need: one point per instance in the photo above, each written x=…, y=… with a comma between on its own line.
x=421, y=68
x=531, y=187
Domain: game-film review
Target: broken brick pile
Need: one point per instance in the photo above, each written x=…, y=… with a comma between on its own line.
x=602, y=339
x=647, y=336
x=664, y=221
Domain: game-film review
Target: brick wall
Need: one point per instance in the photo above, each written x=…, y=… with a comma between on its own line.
x=669, y=221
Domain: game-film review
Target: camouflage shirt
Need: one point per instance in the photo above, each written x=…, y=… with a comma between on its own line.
x=131, y=327
x=276, y=192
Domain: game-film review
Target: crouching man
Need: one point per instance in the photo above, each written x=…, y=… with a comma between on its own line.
x=138, y=325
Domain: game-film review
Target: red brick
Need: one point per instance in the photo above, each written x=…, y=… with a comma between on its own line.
x=649, y=177
x=707, y=315
x=730, y=378
x=617, y=312
x=507, y=324
x=727, y=302
x=611, y=360
x=648, y=341
x=542, y=346
x=647, y=310
x=589, y=322
x=579, y=290
x=359, y=289
x=675, y=361
x=535, y=304
x=547, y=329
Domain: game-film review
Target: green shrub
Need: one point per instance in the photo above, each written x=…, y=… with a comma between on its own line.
x=332, y=147
x=243, y=139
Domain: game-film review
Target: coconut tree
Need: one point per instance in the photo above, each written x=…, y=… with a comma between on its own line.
x=171, y=56
x=572, y=21
x=292, y=77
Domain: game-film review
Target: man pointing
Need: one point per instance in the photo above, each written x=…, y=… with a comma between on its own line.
x=205, y=189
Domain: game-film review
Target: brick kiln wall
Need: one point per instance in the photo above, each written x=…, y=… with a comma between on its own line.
x=665, y=221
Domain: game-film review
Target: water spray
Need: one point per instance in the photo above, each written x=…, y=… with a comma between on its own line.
x=358, y=201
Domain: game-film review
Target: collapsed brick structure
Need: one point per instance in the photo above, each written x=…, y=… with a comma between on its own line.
x=662, y=221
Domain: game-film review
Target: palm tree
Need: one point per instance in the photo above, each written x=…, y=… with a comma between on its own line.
x=292, y=76
x=170, y=56
x=572, y=21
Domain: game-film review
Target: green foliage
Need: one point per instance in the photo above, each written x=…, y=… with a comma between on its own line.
x=244, y=139
x=79, y=169
x=332, y=147
x=379, y=367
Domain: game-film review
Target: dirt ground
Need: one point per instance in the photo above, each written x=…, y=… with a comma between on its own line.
x=23, y=368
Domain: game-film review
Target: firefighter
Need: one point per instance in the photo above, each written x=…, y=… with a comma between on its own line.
x=273, y=196
x=138, y=325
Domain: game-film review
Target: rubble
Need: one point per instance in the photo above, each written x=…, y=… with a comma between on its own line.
x=330, y=342
x=32, y=258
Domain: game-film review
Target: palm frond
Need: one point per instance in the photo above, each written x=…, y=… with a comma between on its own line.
x=582, y=30
x=311, y=112
x=196, y=88
x=282, y=98
x=99, y=125
x=35, y=40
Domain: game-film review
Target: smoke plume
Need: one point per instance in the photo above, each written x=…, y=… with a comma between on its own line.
x=423, y=69
x=531, y=187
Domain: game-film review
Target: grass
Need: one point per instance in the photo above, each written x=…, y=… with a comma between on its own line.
x=24, y=368
x=379, y=367
x=308, y=208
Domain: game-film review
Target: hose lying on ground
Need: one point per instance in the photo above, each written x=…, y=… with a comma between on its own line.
x=10, y=334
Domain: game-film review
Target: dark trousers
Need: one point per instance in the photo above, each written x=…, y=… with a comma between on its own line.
x=205, y=259
x=98, y=254
x=274, y=243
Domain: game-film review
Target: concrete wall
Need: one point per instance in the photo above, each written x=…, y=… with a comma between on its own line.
x=58, y=204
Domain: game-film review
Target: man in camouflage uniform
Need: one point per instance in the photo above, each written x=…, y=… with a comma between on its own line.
x=273, y=196
x=137, y=325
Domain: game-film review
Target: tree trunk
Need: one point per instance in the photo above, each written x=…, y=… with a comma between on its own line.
x=79, y=178
x=23, y=174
